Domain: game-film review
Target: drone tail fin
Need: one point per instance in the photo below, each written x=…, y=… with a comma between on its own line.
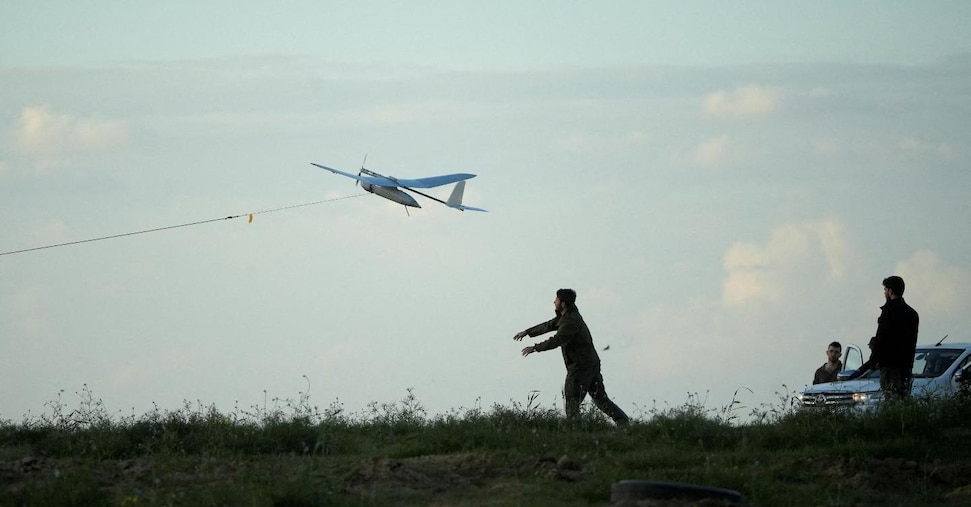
x=455, y=200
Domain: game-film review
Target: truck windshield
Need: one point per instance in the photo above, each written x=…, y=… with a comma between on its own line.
x=933, y=362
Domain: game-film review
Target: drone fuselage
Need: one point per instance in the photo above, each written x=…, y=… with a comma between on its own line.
x=392, y=194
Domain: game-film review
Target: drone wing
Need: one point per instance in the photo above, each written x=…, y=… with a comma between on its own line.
x=433, y=181
x=374, y=180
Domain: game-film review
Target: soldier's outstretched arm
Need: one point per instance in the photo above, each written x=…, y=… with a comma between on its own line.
x=538, y=329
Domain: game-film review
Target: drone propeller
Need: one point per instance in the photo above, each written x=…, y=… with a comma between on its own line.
x=358, y=182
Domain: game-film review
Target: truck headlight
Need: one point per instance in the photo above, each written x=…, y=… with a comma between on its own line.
x=873, y=397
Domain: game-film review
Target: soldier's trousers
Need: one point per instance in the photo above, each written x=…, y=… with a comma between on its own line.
x=895, y=382
x=580, y=383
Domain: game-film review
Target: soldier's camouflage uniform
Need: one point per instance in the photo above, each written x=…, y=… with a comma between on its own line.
x=582, y=363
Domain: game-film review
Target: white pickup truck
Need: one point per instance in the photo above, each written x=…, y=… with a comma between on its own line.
x=939, y=370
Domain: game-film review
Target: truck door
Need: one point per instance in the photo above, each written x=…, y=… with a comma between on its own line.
x=960, y=380
x=852, y=358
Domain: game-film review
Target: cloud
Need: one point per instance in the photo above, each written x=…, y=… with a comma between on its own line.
x=763, y=273
x=827, y=149
x=745, y=102
x=916, y=146
x=712, y=152
x=42, y=132
x=906, y=149
x=935, y=288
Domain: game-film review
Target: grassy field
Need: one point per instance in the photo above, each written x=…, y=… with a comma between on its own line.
x=913, y=453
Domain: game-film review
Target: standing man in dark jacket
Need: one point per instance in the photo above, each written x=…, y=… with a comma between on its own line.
x=893, y=347
x=579, y=355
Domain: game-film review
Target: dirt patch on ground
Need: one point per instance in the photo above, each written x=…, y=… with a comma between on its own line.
x=117, y=476
x=891, y=474
x=379, y=475
x=446, y=473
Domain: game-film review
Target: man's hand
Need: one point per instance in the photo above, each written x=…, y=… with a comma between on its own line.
x=520, y=335
x=528, y=350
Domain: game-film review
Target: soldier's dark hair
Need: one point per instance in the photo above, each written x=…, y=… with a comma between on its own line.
x=894, y=283
x=568, y=296
x=837, y=345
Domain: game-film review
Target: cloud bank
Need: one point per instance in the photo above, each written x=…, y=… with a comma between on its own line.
x=746, y=102
x=44, y=133
x=761, y=273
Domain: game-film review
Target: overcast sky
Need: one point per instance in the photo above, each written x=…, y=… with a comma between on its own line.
x=724, y=184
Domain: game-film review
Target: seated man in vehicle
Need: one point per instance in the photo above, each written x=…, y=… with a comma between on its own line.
x=828, y=371
x=938, y=362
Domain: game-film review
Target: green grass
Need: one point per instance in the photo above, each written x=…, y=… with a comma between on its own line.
x=293, y=453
